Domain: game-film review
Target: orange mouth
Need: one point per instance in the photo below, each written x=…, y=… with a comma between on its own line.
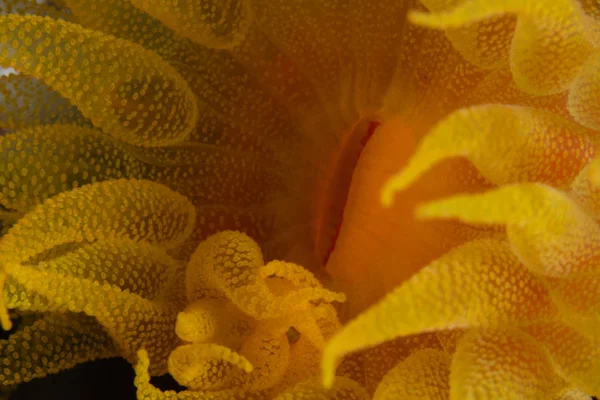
x=334, y=190
x=378, y=248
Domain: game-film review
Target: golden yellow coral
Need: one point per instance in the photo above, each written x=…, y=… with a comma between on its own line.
x=551, y=40
x=506, y=143
x=59, y=341
x=575, y=356
x=551, y=234
x=234, y=321
x=423, y=374
x=92, y=222
x=584, y=93
x=116, y=87
x=149, y=134
x=548, y=231
x=227, y=269
x=521, y=368
x=38, y=104
x=209, y=22
x=469, y=287
x=344, y=389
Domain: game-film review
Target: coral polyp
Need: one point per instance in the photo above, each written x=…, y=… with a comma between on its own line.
x=301, y=199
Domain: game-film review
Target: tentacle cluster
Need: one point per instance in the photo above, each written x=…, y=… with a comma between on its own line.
x=169, y=174
x=237, y=321
x=237, y=324
x=83, y=253
x=508, y=309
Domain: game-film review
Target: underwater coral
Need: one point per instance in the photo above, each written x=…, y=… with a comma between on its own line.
x=303, y=199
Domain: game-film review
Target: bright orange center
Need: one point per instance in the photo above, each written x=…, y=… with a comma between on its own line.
x=378, y=248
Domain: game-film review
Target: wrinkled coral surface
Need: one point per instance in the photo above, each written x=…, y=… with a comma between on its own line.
x=302, y=199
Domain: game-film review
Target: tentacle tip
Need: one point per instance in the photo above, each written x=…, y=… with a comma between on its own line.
x=429, y=211
x=5, y=321
x=388, y=192
x=328, y=376
x=422, y=18
x=247, y=366
x=594, y=174
x=328, y=366
x=142, y=353
x=341, y=297
x=401, y=181
x=143, y=358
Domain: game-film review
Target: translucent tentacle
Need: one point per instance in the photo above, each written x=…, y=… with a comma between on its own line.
x=585, y=189
x=571, y=394
x=269, y=354
x=213, y=320
x=58, y=158
x=224, y=253
x=26, y=101
x=60, y=340
x=121, y=18
x=594, y=172
x=33, y=7
x=206, y=367
x=311, y=389
x=132, y=266
x=470, y=286
x=576, y=356
x=305, y=352
x=138, y=210
x=63, y=157
x=550, y=43
x=502, y=364
x=498, y=87
x=484, y=43
x=5, y=321
x=579, y=300
x=585, y=90
x=260, y=365
x=229, y=264
x=449, y=339
x=234, y=111
x=315, y=48
x=424, y=374
x=146, y=391
x=507, y=144
x=208, y=22
x=129, y=92
x=294, y=273
x=550, y=232
x=379, y=360
x=131, y=320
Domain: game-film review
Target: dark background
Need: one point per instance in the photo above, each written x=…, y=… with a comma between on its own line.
x=99, y=380
x=110, y=379
x=104, y=379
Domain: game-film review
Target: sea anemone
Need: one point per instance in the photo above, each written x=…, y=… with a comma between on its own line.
x=301, y=199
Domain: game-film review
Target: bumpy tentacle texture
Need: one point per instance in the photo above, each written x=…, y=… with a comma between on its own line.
x=57, y=257
x=550, y=42
x=212, y=23
x=114, y=92
x=541, y=279
x=63, y=340
x=284, y=199
x=237, y=321
x=25, y=101
x=429, y=369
